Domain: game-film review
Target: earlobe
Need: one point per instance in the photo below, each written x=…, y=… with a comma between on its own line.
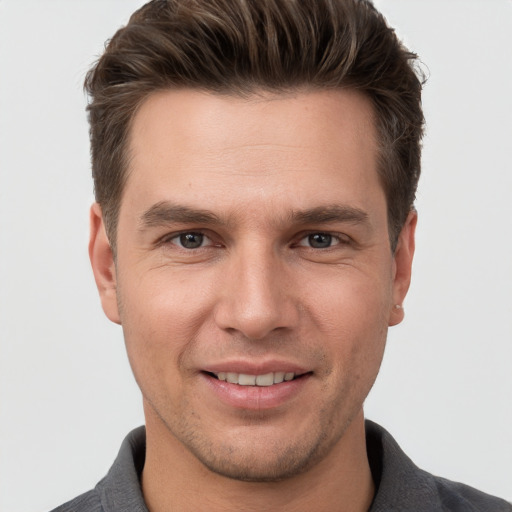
x=103, y=266
x=403, y=257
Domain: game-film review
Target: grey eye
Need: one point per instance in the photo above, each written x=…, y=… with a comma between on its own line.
x=191, y=240
x=320, y=240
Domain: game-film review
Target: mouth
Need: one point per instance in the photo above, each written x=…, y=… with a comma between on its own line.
x=263, y=380
x=257, y=389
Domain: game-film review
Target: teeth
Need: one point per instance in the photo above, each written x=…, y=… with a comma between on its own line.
x=232, y=377
x=246, y=380
x=264, y=380
x=278, y=377
x=267, y=379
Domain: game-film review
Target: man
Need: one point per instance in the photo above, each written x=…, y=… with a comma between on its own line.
x=255, y=168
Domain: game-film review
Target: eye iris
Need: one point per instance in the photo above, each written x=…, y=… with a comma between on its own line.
x=191, y=240
x=320, y=240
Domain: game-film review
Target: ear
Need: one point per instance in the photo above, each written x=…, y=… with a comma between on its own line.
x=402, y=264
x=103, y=266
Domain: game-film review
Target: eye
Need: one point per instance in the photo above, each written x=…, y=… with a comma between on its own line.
x=319, y=240
x=190, y=240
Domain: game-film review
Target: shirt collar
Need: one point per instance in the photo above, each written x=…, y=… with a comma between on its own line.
x=400, y=484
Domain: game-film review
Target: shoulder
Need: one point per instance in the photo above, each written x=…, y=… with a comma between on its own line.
x=456, y=497
x=403, y=487
x=87, y=502
x=119, y=490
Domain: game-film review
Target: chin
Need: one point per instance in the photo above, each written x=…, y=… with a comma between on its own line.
x=287, y=466
x=262, y=461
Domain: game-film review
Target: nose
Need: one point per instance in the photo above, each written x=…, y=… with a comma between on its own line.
x=256, y=297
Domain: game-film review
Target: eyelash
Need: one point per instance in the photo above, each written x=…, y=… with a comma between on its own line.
x=168, y=239
x=338, y=238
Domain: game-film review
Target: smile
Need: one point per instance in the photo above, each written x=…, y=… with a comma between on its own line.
x=243, y=379
x=258, y=389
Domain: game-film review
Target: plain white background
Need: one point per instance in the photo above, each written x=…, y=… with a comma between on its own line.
x=67, y=395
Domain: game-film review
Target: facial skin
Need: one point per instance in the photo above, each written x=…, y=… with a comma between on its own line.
x=288, y=268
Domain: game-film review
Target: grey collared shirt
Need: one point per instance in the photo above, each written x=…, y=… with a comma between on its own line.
x=401, y=486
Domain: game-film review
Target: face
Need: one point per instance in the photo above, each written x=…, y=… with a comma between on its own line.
x=254, y=278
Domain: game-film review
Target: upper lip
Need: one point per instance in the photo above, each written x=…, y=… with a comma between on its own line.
x=255, y=368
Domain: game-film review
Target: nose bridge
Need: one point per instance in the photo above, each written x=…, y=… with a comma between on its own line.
x=256, y=299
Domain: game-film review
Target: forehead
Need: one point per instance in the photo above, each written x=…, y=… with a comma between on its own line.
x=272, y=149
x=314, y=117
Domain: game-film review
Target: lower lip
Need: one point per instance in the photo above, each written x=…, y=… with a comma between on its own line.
x=256, y=398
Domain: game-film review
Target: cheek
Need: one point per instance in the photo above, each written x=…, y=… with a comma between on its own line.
x=164, y=304
x=350, y=313
x=350, y=301
x=161, y=317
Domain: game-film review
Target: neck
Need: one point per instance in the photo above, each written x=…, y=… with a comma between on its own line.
x=173, y=479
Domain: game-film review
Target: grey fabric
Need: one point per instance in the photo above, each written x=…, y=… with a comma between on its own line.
x=401, y=486
x=120, y=490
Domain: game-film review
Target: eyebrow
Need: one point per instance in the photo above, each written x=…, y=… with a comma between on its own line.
x=330, y=213
x=165, y=212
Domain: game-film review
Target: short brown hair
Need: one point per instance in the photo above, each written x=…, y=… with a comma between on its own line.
x=241, y=46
